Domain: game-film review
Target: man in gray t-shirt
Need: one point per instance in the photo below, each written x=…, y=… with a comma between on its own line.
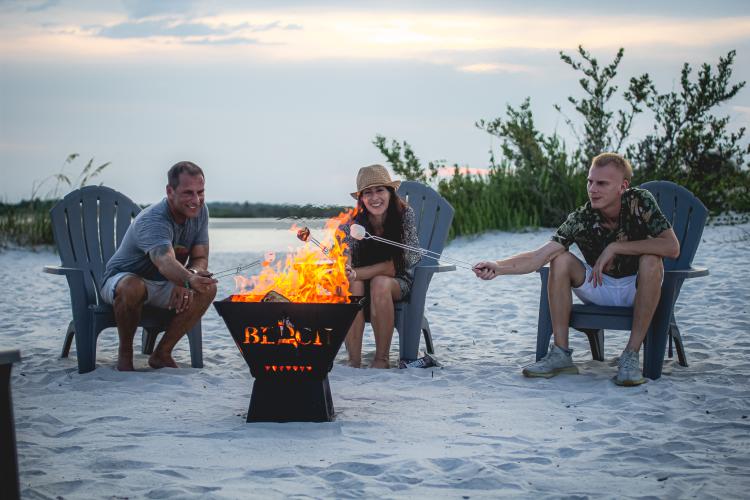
x=163, y=261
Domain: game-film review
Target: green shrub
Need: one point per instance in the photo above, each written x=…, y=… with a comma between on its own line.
x=538, y=181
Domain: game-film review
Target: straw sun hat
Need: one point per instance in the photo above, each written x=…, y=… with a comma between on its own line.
x=373, y=175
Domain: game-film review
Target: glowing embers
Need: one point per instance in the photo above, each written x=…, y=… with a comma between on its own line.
x=289, y=368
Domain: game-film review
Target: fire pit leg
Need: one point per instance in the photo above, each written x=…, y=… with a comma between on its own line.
x=329, y=398
x=290, y=400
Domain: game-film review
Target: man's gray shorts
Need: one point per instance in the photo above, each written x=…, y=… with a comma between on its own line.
x=158, y=293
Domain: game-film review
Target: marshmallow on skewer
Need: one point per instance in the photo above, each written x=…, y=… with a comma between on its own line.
x=304, y=235
x=357, y=232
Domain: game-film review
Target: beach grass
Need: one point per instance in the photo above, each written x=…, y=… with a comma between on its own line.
x=27, y=223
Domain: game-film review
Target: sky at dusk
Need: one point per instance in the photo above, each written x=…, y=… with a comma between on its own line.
x=279, y=101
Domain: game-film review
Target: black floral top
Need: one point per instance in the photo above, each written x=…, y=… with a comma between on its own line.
x=368, y=252
x=640, y=218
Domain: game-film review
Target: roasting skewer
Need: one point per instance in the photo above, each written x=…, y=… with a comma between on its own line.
x=304, y=235
x=359, y=233
x=233, y=271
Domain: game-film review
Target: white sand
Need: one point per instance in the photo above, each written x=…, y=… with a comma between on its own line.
x=474, y=428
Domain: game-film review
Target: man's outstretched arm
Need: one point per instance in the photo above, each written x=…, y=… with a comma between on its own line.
x=523, y=263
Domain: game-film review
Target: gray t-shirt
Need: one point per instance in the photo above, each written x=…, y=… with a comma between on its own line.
x=155, y=227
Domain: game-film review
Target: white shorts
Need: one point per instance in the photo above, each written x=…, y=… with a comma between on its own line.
x=158, y=293
x=612, y=292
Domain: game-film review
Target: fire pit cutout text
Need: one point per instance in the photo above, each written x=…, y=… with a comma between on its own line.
x=284, y=333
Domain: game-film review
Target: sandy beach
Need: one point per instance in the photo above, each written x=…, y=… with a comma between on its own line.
x=473, y=428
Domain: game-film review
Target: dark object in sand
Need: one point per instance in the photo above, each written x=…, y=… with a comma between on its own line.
x=9, y=487
x=425, y=361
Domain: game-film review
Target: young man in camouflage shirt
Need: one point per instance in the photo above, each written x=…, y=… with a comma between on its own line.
x=623, y=237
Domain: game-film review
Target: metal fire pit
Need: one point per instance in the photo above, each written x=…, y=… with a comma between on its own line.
x=289, y=348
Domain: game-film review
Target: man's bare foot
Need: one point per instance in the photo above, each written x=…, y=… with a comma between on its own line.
x=355, y=363
x=157, y=361
x=380, y=363
x=125, y=365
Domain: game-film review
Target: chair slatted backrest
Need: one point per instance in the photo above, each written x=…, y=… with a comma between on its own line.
x=433, y=214
x=687, y=215
x=88, y=226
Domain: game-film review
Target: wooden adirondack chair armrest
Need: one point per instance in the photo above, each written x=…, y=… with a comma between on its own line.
x=693, y=272
x=64, y=271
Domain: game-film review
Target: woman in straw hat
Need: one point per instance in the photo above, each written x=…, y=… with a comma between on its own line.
x=383, y=272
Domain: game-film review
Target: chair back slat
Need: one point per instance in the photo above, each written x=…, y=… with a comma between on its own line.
x=126, y=212
x=83, y=224
x=433, y=214
x=107, y=214
x=61, y=234
x=687, y=215
x=90, y=222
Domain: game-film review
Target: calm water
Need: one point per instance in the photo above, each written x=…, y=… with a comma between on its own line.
x=255, y=236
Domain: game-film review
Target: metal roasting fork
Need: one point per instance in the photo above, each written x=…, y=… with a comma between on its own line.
x=234, y=270
x=427, y=253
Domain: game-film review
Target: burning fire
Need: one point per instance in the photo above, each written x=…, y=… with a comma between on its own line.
x=307, y=275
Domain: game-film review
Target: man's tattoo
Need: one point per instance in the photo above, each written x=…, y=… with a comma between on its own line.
x=159, y=251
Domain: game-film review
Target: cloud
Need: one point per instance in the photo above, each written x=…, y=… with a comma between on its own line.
x=138, y=9
x=473, y=42
x=151, y=28
x=42, y=6
x=273, y=26
x=224, y=41
x=495, y=68
x=162, y=27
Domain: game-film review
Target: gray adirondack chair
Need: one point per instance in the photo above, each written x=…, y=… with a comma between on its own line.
x=88, y=225
x=688, y=217
x=434, y=216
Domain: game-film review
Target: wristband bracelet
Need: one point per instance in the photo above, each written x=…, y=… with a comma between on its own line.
x=187, y=284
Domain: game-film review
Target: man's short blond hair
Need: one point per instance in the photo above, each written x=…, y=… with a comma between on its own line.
x=615, y=159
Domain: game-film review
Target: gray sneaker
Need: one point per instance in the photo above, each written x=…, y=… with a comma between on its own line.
x=629, y=370
x=556, y=361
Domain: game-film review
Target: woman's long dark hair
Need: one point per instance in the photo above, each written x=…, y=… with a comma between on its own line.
x=372, y=252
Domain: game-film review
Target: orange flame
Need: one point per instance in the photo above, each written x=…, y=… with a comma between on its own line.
x=307, y=275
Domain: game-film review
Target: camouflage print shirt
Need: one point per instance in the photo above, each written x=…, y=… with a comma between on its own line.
x=640, y=218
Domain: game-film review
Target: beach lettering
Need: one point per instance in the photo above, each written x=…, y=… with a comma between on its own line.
x=284, y=333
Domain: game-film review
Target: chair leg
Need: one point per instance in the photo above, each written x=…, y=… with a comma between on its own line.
x=86, y=348
x=544, y=322
x=195, y=338
x=68, y=340
x=409, y=335
x=596, y=342
x=427, y=336
x=148, y=339
x=655, y=345
x=674, y=333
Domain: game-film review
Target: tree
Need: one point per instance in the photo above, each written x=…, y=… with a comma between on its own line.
x=599, y=133
x=690, y=145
